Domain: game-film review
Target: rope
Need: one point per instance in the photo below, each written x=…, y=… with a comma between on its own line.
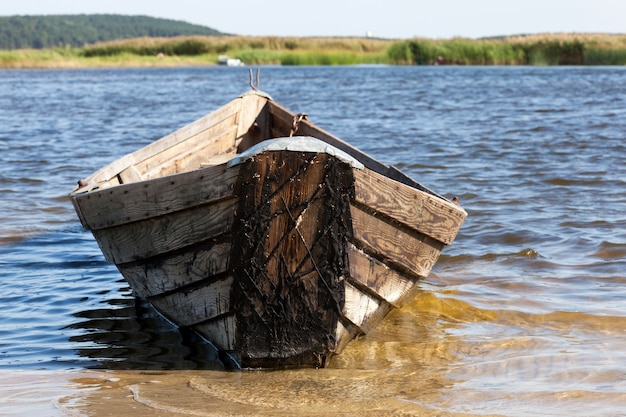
x=296, y=122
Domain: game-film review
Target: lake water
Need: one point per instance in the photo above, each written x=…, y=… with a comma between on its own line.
x=524, y=315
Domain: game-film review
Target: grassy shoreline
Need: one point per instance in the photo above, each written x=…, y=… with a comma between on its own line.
x=546, y=49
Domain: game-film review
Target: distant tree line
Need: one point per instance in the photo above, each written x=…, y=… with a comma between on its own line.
x=37, y=32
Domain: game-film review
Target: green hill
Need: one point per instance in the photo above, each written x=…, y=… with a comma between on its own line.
x=20, y=32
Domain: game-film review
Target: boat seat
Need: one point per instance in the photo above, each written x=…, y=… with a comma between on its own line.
x=130, y=174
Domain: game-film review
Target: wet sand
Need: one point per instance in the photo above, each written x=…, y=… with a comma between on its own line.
x=209, y=393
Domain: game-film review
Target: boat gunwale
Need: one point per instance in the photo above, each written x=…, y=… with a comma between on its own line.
x=275, y=108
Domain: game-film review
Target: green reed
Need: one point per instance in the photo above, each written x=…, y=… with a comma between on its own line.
x=536, y=50
x=198, y=45
x=252, y=50
x=331, y=58
x=599, y=56
x=548, y=49
x=563, y=49
x=457, y=51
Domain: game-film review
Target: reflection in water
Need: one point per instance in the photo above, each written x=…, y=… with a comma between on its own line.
x=133, y=335
x=153, y=367
x=398, y=369
x=437, y=353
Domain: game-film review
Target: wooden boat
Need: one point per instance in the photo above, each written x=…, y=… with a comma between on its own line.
x=276, y=248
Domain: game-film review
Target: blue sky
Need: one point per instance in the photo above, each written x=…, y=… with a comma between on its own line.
x=381, y=18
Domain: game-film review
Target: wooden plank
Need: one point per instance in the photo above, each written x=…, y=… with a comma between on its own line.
x=362, y=309
x=277, y=133
x=389, y=284
x=111, y=170
x=216, y=160
x=218, y=138
x=344, y=334
x=190, y=157
x=130, y=174
x=220, y=331
x=81, y=216
x=259, y=126
x=139, y=201
x=192, y=306
x=159, y=235
x=415, y=253
x=421, y=211
x=295, y=216
x=110, y=183
x=221, y=118
x=252, y=105
x=177, y=270
x=106, y=175
x=221, y=136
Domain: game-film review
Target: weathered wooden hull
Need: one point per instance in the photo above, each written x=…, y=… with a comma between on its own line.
x=278, y=257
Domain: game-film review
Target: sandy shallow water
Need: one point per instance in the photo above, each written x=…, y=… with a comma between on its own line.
x=202, y=393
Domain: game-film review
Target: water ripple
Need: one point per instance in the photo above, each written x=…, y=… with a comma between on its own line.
x=523, y=312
